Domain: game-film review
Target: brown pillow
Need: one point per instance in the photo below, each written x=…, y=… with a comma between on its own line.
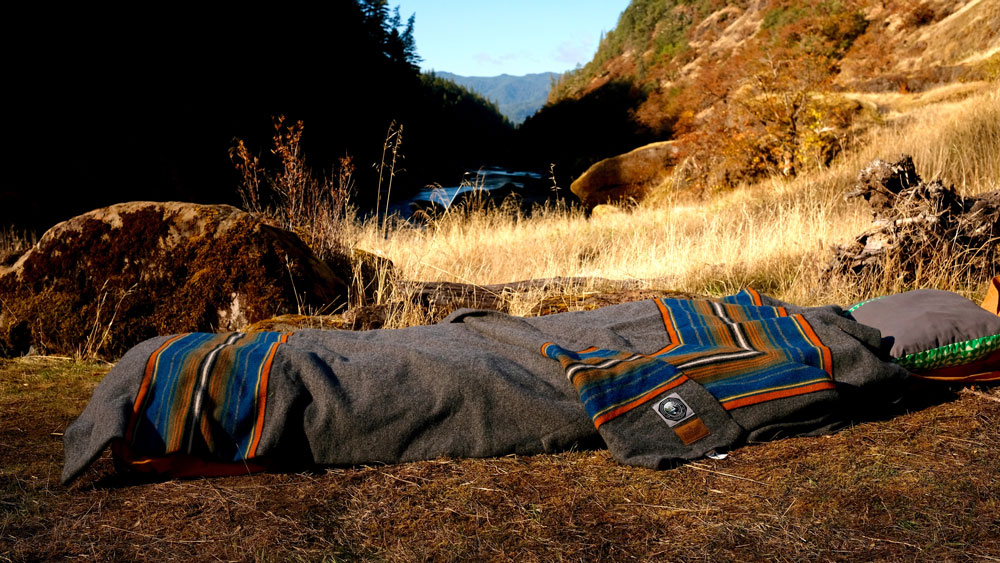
x=936, y=334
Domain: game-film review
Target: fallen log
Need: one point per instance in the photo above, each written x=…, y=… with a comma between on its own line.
x=437, y=300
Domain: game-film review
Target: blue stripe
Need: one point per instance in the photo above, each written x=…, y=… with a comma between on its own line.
x=755, y=382
x=163, y=389
x=634, y=379
x=239, y=414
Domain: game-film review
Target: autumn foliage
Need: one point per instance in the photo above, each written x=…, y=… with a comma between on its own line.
x=750, y=89
x=769, y=109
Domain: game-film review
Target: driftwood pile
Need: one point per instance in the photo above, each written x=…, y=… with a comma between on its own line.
x=919, y=227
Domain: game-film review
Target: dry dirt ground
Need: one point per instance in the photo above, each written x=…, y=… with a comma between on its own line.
x=920, y=484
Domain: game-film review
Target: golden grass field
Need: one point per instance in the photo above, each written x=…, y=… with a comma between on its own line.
x=774, y=236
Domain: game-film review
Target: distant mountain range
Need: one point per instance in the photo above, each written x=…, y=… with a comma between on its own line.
x=517, y=97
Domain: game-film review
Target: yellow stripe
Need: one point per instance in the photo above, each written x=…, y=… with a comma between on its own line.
x=771, y=389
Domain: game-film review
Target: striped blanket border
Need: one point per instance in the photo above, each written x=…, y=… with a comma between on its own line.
x=740, y=351
x=203, y=396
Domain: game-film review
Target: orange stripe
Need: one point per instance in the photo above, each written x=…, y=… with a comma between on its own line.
x=704, y=374
x=827, y=356
x=668, y=324
x=756, y=296
x=181, y=465
x=987, y=376
x=187, y=382
x=588, y=375
x=638, y=401
x=223, y=364
x=736, y=313
x=782, y=312
x=144, y=386
x=780, y=394
x=753, y=332
x=717, y=327
x=262, y=397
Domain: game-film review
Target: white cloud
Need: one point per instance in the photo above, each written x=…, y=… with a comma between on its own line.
x=575, y=51
x=504, y=60
x=486, y=59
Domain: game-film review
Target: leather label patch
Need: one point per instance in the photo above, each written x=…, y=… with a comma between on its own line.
x=691, y=431
x=673, y=410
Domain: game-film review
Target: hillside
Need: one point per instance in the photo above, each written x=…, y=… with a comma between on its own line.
x=755, y=88
x=517, y=97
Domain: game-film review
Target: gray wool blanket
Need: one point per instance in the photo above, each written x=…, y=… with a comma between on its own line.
x=657, y=382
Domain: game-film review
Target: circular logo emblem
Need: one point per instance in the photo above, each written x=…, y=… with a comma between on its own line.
x=673, y=409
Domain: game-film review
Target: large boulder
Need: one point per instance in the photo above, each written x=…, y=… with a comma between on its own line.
x=627, y=176
x=101, y=282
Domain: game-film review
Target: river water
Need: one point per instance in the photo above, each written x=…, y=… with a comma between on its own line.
x=486, y=178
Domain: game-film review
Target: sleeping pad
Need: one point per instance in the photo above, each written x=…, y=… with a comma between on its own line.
x=657, y=381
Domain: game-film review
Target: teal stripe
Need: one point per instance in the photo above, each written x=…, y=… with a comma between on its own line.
x=863, y=303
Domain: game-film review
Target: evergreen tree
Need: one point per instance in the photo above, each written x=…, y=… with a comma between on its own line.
x=409, y=43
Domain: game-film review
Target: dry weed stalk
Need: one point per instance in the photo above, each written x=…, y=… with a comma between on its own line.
x=391, y=148
x=93, y=344
x=316, y=207
x=13, y=243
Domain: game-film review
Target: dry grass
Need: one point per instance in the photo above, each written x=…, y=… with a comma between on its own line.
x=952, y=132
x=774, y=235
x=893, y=105
x=13, y=243
x=919, y=486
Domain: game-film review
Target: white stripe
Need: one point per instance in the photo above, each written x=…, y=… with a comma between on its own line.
x=199, y=391
x=721, y=313
x=719, y=358
x=573, y=368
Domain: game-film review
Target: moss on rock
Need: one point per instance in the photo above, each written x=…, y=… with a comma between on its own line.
x=106, y=280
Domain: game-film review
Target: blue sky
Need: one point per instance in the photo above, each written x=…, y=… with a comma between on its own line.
x=491, y=37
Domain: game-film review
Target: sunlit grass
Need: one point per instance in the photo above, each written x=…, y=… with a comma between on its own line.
x=775, y=235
